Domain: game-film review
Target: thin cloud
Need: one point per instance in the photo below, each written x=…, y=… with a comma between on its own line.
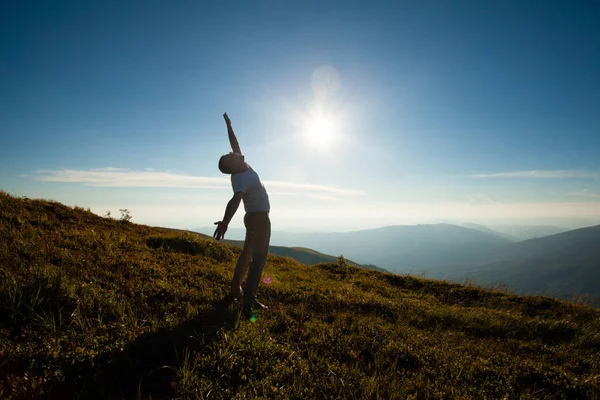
x=109, y=169
x=119, y=177
x=585, y=193
x=542, y=174
x=112, y=177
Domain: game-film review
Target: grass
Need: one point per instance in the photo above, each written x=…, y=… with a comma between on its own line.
x=97, y=308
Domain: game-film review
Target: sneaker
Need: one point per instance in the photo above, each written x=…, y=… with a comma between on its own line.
x=231, y=299
x=256, y=305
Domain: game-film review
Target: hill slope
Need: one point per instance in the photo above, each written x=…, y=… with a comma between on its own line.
x=97, y=308
x=563, y=265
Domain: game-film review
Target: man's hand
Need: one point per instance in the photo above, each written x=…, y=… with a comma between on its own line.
x=230, y=210
x=220, y=231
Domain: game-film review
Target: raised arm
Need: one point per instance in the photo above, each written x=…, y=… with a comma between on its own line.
x=235, y=146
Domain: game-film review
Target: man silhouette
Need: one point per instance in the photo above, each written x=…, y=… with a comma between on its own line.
x=247, y=187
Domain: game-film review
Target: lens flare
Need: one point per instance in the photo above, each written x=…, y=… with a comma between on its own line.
x=267, y=280
x=325, y=81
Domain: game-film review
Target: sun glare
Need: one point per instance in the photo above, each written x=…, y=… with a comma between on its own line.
x=320, y=132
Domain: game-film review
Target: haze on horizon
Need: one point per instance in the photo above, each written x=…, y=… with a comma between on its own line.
x=355, y=115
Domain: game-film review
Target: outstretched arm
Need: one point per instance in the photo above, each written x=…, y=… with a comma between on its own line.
x=232, y=207
x=235, y=146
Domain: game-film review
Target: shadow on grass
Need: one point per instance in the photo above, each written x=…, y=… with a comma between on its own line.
x=147, y=367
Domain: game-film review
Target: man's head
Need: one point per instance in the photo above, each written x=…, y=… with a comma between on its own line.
x=232, y=163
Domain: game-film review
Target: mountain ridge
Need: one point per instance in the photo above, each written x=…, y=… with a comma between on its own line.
x=565, y=264
x=448, y=251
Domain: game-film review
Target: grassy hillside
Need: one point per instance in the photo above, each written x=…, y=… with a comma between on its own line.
x=96, y=308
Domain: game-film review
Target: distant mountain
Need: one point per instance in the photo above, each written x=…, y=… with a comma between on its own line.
x=402, y=248
x=524, y=232
x=486, y=229
x=560, y=265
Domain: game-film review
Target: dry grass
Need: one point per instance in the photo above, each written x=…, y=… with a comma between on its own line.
x=92, y=307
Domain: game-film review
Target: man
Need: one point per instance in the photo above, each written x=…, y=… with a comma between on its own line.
x=247, y=187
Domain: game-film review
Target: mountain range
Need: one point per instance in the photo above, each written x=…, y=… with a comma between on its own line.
x=512, y=232
x=518, y=232
x=564, y=264
x=403, y=248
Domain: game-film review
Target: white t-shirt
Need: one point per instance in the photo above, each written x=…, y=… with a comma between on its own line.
x=255, y=196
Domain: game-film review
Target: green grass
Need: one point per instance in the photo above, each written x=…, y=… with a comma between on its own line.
x=97, y=308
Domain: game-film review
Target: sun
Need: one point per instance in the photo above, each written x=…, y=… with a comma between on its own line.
x=320, y=132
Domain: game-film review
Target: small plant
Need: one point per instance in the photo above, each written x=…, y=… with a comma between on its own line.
x=125, y=215
x=107, y=214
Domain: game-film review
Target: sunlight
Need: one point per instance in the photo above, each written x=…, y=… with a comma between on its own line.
x=320, y=132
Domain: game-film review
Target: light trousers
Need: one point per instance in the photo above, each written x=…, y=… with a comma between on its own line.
x=253, y=258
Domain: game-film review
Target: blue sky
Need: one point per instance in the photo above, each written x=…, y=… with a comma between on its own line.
x=481, y=111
